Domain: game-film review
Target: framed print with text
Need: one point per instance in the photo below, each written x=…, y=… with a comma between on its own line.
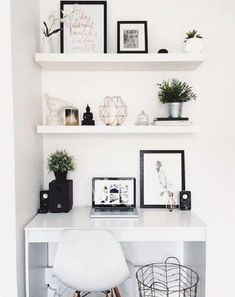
x=84, y=27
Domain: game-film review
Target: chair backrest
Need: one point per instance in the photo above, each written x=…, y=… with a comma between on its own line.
x=90, y=260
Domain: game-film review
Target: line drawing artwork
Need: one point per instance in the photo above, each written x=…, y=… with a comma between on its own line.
x=167, y=187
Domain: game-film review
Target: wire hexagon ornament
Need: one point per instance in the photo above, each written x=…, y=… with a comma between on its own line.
x=113, y=111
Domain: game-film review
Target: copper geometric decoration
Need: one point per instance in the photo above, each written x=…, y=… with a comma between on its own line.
x=113, y=111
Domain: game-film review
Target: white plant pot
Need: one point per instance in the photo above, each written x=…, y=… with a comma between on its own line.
x=175, y=109
x=46, y=45
x=193, y=46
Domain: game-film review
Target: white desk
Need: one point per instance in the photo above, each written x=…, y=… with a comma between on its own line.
x=153, y=225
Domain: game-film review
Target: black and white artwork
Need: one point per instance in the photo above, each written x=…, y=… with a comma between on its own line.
x=162, y=177
x=132, y=37
x=113, y=191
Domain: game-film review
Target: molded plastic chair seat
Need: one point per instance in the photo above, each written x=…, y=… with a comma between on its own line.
x=90, y=260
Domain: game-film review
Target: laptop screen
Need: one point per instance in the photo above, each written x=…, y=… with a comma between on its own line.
x=113, y=192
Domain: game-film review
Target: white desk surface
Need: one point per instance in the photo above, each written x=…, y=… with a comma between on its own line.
x=152, y=225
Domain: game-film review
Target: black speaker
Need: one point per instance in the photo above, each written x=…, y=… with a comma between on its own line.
x=185, y=200
x=61, y=196
x=44, y=201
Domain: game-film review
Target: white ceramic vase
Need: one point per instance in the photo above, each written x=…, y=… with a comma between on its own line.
x=46, y=45
x=193, y=45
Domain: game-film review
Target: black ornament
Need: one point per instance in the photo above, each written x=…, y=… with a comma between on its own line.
x=88, y=117
x=163, y=51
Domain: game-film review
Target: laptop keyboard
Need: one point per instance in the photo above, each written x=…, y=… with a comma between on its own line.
x=112, y=209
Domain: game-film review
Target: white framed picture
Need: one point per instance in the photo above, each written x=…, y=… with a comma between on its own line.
x=84, y=29
x=132, y=37
x=162, y=177
x=108, y=191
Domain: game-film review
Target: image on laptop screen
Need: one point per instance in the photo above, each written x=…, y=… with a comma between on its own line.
x=113, y=191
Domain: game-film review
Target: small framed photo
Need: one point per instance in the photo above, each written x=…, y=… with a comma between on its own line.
x=162, y=177
x=109, y=191
x=84, y=27
x=132, y=37
x=71, y=116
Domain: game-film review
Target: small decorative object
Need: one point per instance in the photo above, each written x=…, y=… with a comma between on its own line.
x=163, y=51
x=88, y=117
x=142, y=119
x=113, y=191
x=55, y=106
x=174, y=93
x=162, y=177
x=113, y=111
x=48, y=31
x=193, y=42
x=84, y=29
x=60, y=163
x=71, y=116
x=132, y=37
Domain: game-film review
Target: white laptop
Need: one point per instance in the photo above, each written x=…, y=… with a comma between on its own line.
x=113, y=197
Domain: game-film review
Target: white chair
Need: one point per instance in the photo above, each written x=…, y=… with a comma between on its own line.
x=90, y=261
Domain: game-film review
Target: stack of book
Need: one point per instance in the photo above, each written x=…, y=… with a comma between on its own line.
x=172, y=122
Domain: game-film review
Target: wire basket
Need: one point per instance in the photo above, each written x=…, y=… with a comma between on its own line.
x=167, y=279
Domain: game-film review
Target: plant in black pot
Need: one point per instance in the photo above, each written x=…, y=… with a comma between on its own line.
x=60, y=163
x=174, y=93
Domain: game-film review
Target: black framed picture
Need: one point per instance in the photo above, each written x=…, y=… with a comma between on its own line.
x=162, y=177
x=84, y=29
x=113, y=191
x=132, y=37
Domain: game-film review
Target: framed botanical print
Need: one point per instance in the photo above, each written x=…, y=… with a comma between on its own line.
x=162, y=177
x=132, y=37
x=84, y=27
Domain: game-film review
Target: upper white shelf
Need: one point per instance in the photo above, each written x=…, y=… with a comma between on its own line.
x=119, y=61
x=115, y=129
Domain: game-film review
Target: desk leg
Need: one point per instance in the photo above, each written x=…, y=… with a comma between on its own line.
x=35, y=264
x=195, y=258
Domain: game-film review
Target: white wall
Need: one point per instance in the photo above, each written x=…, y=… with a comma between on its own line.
x=27, y=113
x=7, y=217
x=210, y=158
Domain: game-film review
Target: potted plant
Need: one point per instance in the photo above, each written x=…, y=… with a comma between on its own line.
x=174, y=93
x=48, y=31
x=60, y=163
x=193, y=42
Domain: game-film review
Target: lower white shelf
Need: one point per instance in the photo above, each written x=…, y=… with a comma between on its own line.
x=115, y=129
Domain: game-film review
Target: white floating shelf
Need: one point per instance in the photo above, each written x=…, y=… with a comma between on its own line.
x=115, y=129
x=115, y=61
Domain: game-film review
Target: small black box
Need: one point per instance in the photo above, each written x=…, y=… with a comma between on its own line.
x=185, y=200
x=44, y=201
x=61, y=196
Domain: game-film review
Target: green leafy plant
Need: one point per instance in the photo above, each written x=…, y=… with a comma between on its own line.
x=192, y=34
x=60, y=161
x=174, y=90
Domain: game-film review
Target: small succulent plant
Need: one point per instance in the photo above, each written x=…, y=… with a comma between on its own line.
x=192, y=34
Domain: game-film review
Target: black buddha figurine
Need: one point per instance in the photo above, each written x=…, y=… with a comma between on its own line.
x=88, y=117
